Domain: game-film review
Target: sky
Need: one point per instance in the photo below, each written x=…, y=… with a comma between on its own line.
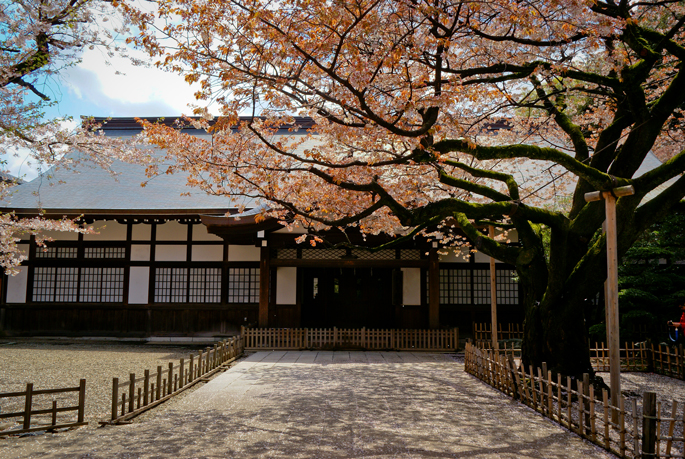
x=111, y=87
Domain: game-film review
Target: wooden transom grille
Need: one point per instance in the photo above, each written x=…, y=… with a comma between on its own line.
x=388, y=254
x=56, y=252
x=105, y=252
x=323, y=254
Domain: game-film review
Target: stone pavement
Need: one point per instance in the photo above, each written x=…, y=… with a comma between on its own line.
x=327, y=405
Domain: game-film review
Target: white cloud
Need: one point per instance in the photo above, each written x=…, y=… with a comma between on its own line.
x=123, y=89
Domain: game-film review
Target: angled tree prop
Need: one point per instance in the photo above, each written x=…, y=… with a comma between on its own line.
x=433, y=116
x=38, y=39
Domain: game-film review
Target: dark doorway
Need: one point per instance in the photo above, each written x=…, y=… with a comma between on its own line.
x=347, y=297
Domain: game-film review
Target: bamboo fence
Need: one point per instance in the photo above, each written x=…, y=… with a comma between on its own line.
x=139, y=394
x=47, y=416
x=343, y=338
x=482, y=332
x=652, y=430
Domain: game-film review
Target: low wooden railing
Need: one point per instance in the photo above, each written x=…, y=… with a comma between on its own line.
x=139, y=394
x=655, y=430
x=30, y=423
x=342, y=338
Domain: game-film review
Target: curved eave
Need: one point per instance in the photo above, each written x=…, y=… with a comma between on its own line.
x=241, y=230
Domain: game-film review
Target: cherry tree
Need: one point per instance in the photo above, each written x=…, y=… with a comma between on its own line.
x=38, y=39
x=440, y=118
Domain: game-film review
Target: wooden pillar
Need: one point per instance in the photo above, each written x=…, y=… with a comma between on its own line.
x=433, y=289
x=493, y=294
x=264, y=269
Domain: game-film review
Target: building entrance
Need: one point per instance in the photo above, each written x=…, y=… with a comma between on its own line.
x=347, y=297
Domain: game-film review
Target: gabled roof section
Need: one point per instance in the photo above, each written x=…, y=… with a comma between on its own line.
x=95, y=191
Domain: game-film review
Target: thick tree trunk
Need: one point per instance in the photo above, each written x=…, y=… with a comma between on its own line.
x=555, y=333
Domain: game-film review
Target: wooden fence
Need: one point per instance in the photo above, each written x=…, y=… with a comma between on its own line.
x=482, y=332
x=655, y=429
x=342, y=338
x=47, y=416
x=139, y=394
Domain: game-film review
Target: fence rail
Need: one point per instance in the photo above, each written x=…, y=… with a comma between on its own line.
x=336, y=338
x=139, y=394
x=30, y=413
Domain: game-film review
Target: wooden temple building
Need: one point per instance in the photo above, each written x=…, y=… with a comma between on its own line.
x=169, y=260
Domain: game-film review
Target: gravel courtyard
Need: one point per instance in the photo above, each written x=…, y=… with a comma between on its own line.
x=327, y=405
x=51, y=365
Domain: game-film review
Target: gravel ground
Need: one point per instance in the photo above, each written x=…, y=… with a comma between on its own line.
x=51, y=365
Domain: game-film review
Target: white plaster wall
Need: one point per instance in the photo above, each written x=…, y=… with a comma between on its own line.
x=170, y=253
x=208, y=253
x=24, y=249
x=243, y=253
x=172, y=231
x=107, y=231
x=61, y=235
x=286, y=285
x=140, y=252
x=16, y=286
x=141, y=232
x=138, y=284
x=482, y=258
x=461, y=256
x=296, y=229
x=200, y=234
x=411, y=286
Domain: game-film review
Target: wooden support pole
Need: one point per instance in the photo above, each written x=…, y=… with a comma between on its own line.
x=648, y=424
x=264, y=286
x=611, y=287
x=493, y=294
x=433, y=288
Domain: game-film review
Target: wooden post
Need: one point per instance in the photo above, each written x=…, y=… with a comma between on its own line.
x=159, y=382
x=648, y=424
x=613, y=338
x=433, y=288
x=493, y=294
x=131, y=392
x=146, y=387
x=81, y=400
x=27, y=406
x=264, y=286
x=115, y=397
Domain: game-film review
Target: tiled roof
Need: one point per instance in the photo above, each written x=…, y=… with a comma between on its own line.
x=92, y=190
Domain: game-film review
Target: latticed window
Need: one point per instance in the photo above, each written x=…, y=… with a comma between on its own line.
x=187, y=285
x=472, y=286
x=171, y=285
x=455, y=286
x=481, y=286
x=205, y=285
x=243, y=285
x=102, y=285
x=74, y=284
x=507, y=287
